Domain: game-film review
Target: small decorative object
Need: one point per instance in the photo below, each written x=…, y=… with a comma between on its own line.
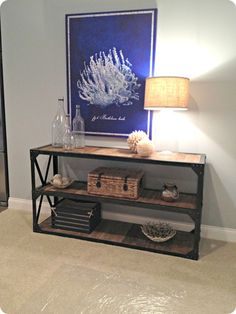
x=170, y=192
x=118, y=182
x=134, y=138
x=78, y=128
x=79, y=216
x=61, y=182
x=145, y=147
x=158, y=231
x=68, y=137
x=59, y=125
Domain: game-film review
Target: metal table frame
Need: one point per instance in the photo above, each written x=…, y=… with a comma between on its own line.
x=53, y=197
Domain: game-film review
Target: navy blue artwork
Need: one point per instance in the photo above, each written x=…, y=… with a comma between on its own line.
x=109, y=55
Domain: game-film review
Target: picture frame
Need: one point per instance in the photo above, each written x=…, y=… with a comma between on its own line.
x=109, y=55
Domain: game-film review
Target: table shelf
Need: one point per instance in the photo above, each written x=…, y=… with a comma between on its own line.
x=128, y=235
x=148, y=197
x=184, y=244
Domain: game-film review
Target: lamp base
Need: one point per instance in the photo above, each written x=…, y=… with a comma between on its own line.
x=166, y=152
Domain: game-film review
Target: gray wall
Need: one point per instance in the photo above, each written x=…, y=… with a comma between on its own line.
x=195, y=39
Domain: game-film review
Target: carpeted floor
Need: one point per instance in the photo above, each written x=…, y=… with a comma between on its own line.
x=48, y=274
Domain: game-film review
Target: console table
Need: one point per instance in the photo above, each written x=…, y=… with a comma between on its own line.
x=184, y=244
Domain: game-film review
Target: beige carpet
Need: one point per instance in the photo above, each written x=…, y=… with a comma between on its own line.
x=48, y=274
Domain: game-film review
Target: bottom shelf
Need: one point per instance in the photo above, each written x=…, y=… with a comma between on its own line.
x=128, y=235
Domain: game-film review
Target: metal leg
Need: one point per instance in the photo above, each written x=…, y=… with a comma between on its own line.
x=196, y=217
x=197, y=214
x=35, y=195
x=43, y=180
x=55, y=171
x=47, y=170
x=55, y=164
x=34, y=206
x=39, y=209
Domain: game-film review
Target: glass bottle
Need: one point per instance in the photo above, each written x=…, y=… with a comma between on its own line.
x=68, y=137
x=59, y=125
x=78, y=128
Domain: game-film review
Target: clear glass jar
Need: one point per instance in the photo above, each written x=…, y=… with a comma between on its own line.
x=170, y=192
x=68, y=137
x=59, y=125
x=78, y=128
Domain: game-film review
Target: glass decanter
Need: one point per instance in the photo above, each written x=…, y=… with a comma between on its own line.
x=59, y=125
x=68, y=137
x=78, y=128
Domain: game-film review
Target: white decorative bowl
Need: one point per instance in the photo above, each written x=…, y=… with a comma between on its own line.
x=63, y=185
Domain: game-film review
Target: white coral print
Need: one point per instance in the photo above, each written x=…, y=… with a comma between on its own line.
x=108, y=79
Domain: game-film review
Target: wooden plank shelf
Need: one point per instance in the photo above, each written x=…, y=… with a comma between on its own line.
x=148, y=197
x=123, y=154
x=128, y=235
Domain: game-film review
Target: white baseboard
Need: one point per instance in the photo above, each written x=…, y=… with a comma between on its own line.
x=209, y=232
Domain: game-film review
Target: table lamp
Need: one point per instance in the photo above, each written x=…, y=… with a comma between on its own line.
x=166, y=92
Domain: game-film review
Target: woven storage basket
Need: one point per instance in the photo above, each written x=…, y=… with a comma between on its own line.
x=118, y=182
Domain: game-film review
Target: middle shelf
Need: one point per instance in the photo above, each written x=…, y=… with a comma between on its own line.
x=148, y=198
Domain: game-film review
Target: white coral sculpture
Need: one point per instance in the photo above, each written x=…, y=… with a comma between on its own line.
x=145, y=147
x=134, y=138
x=108, y=79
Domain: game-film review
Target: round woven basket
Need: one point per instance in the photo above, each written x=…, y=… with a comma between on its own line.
x=158, y=231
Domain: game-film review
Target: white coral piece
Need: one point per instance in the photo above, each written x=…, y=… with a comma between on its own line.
x=108, y=79
x=145, y=147
x=134, y=138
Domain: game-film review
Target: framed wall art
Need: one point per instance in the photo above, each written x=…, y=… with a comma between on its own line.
x=109, y=55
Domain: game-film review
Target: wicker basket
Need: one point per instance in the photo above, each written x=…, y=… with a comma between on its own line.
x=118, y=182
x=158, y=231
